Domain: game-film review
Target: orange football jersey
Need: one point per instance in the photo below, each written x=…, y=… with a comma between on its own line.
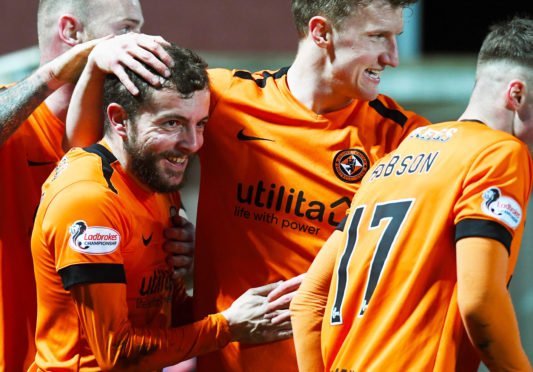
x=392, y=304
x=276, y=179
x=26, y=160
x=96, y=225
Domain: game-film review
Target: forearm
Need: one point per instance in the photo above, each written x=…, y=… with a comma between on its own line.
x=485, y=304
x=155, y=348
x=308, y=306
x=84, y=124
x=117, y=345
x=20, y=100
x=493, y=330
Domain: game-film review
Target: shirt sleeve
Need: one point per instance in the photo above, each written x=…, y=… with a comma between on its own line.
x=308, y=306
x=219, y=82
x=408, y=120
x=495, y=193
x=117, y=345
x=86, y=230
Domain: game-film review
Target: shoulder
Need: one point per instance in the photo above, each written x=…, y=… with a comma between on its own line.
x=384, y=107
x=222, y=79
x=79, y=179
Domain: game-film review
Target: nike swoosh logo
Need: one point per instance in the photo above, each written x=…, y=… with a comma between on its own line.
x=244, y=137
x=147, y=241
x=36, y=163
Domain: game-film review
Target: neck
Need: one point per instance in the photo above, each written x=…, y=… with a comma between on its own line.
x=116, y=145
x=486, y=107
x=310, y=81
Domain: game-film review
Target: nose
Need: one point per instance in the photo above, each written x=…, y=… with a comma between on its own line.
x=190, y=140
x=391, y=57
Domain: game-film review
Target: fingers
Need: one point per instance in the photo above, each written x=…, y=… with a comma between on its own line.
x=136, y=55
x=282, y=335
x=135, y=52
x=264, y=290
x=149, y=50
x=179, y=247
x=287, y=286
x=279, y=317
x=125, y=80
x=180, y=265
x=180, y=220
x=179, y=261
x=268, y=332
x=179, y=258
x=154, y=45
x=180, y=234
x=178, y=273
x=281, y=303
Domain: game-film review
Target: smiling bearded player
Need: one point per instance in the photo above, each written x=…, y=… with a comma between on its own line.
x=105, y=295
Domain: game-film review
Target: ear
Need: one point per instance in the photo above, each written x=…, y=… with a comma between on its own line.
x=118, y=118
x=515, y=95
x=70, y=30
x=320, y=31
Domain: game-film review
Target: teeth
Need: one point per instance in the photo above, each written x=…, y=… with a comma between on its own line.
x=374, y=73
x=178, y=160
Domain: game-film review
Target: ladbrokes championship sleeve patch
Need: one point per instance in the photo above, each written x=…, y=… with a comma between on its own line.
x=501, y=207
x=93, y=239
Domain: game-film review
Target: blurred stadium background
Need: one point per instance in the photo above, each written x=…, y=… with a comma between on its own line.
x=435, y=77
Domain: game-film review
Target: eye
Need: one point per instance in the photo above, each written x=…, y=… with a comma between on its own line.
x=171, y=124
x=124, y=29
x=201, y=125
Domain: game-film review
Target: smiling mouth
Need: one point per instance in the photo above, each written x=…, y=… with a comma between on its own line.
x=374, y=74
x=177, y=160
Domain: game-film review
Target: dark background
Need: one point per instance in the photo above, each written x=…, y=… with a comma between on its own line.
x=460, y=26
x=242, y=25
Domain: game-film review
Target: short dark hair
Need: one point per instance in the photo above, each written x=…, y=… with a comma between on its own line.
x=510, y=40
x=334, y=10
x=187, y=76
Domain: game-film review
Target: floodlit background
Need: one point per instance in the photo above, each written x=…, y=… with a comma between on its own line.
x=435, y=77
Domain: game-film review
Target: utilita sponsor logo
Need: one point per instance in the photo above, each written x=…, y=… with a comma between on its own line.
x=93, y=239
x=291, y=201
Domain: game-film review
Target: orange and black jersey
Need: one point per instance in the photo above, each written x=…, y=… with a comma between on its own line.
x=96, y=226
x=392, y=304
x=276, y=179
x=26, y=160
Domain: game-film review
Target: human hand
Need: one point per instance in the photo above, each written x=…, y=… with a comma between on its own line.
x=280, y=298
x=114, y=55
x=247, y=322
x=179, y=246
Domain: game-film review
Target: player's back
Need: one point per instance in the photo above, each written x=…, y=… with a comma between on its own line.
x=392, y=305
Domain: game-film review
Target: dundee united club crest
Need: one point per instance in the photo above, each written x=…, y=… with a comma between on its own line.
x=351, y=165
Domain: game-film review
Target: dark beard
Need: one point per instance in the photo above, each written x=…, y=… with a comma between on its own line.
x=143, y=166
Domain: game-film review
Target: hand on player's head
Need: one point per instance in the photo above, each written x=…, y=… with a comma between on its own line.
x=133, y=51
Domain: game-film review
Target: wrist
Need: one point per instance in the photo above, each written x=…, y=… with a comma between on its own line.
x=226, y=314
x=225, y=332
x=47, y=79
